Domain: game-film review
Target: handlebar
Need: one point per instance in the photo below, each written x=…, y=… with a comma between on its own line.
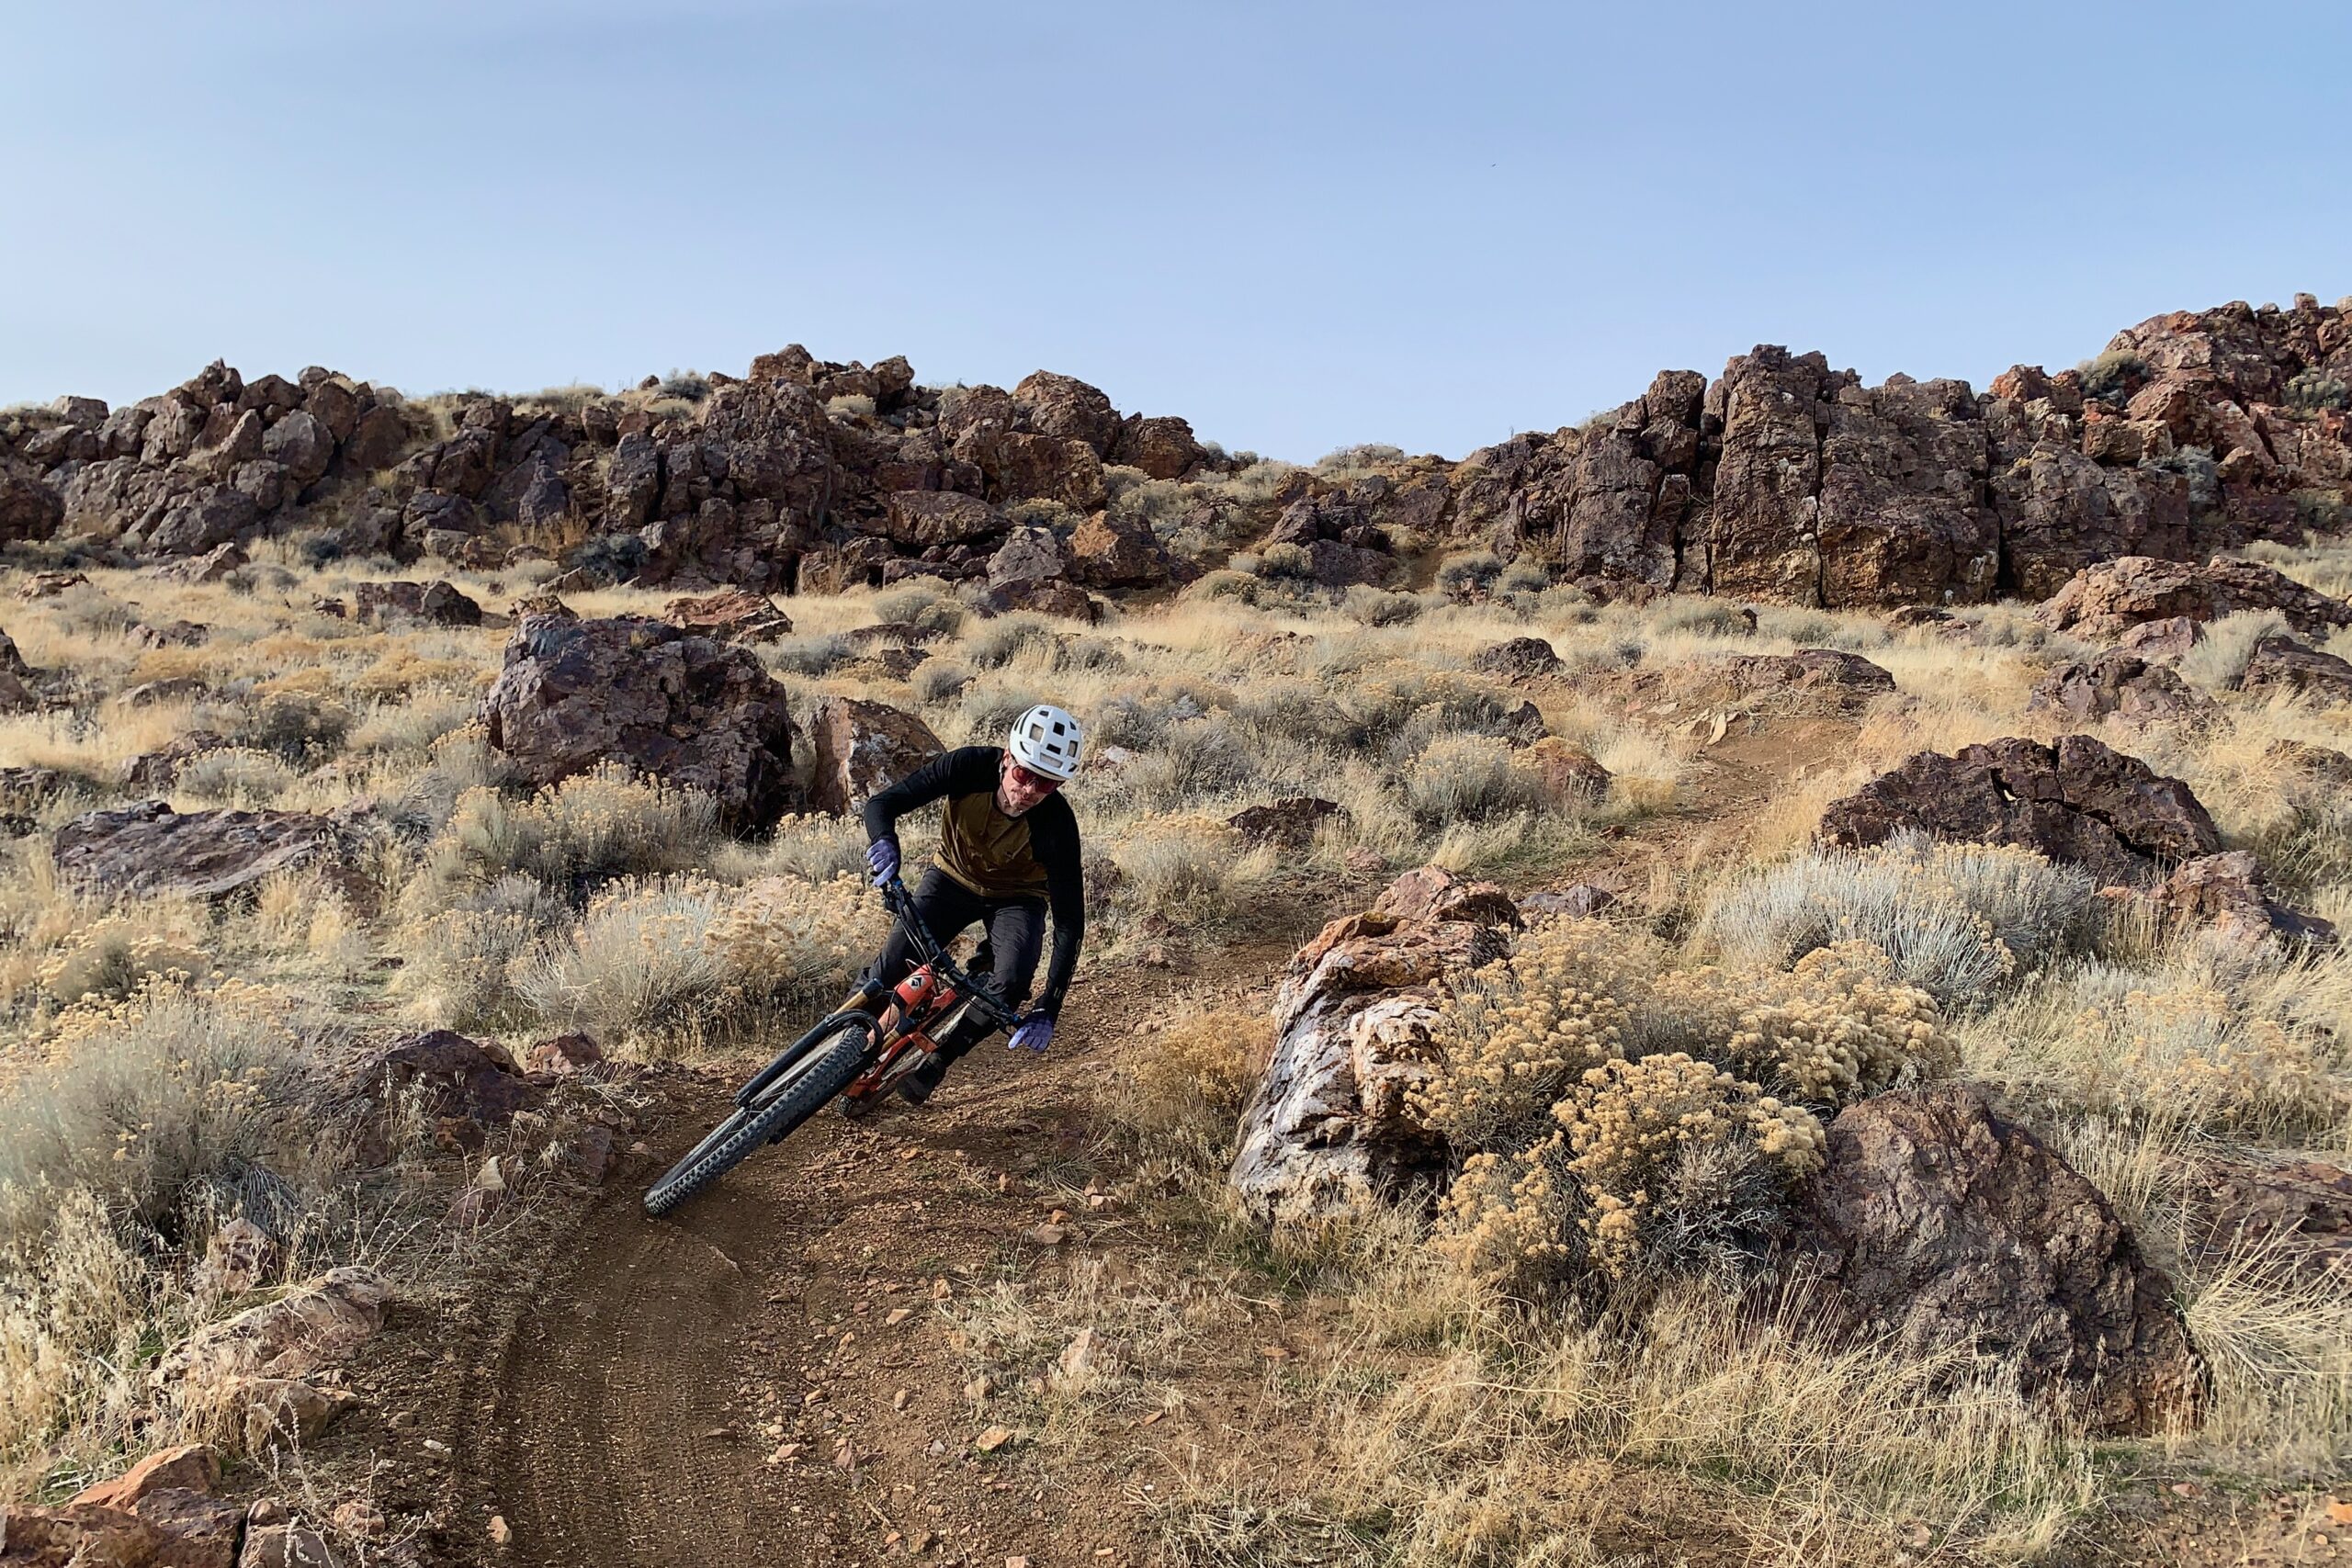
x=934, y=952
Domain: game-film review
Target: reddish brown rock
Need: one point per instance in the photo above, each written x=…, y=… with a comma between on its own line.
x=1519, y=659
x=1331, y=1129
x=151, y=849
x=2282, y=664
x=2124, y=685
x=1568, y=773
x=1289, y=822
x=1936, y=1227
x=860, y=747
x=730, y=612
x=923, y=518
x=2101, y=602
x=1104, y=553
x=292, y=1336
x=451, y=1076
x=692, y=711
x=2229, y=890
x=2078, y=801
x=439, y=601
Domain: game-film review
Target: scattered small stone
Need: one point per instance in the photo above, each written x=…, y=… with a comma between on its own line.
x=1050, y=1234
x=898, y=1316
x=898, y=1400
x=499, y=1532
x=993, y=1438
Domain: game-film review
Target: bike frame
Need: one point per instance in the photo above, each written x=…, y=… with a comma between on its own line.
x=951, y=982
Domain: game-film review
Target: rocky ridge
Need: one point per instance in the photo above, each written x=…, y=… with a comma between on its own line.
x=1781, y=478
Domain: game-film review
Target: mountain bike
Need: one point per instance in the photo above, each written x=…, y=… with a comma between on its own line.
x=854, y=1053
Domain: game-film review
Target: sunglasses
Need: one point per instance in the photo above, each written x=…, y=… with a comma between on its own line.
x=1034, y=781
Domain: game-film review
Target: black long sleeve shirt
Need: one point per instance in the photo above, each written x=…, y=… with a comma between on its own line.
x=1031, y=856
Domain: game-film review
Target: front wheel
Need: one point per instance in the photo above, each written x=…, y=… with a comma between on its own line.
x=827, y=1067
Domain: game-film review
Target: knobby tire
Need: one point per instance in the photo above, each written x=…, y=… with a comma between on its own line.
x=829, y=1067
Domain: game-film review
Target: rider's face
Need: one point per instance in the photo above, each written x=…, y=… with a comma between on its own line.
x=1018, y=789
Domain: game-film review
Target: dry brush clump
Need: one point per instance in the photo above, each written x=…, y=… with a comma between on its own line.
x=1619, y=1126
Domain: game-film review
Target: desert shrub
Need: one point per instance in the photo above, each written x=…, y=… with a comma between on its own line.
x=1836, y=1027
x=1192, y=761
x=691, y=385
x=297, y=729
x=638, y=967
x=1468, y=778
x=1191, y=872
x=1157, y=504
x=457, y=964
x=814, y=848
x=1257, y=482
x=795, y=943
x=918, y=607
x=2196, y=465
x=1695, y=616
x=1006, y=638
x=2218, y=660
x=1282, y=559
x=1372, y=607
x=1657, y=1166
x=1956, y=919
x=1525, y=575
x=587, y=829
x=234, y=773
x=1186, y=1084
x=2178, y=1047
x=849, y=405
x=142, y=1096
x=811, y=654
x=1365, y=457
x=412, y=727
x=1466, y=573
x=990, y=704
x=1516, y=1033
x=939, y=680
x=1237, y=581
x=1039, y=513
x=116, y=955
x=2315, y=389
x=2114, y=375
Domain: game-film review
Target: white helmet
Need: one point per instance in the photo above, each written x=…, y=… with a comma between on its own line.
x=1046, y=741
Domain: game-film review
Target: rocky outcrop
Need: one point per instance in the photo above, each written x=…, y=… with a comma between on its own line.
x=1329, y=1129
x=2229, y=892
x=860, y=747
x=1519, y=659
x=730, y=612
x=2076, y=801
x=149, y=849
x=1782, y=476
x=440, y=603
x=1288, y=823
x=160, y=1514
x=688, y=710
x=1935, y=1226
x=2084, y=690
x=2102, y=602
x=2282, y=664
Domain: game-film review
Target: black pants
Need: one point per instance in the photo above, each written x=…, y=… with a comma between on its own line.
x=1013, y=934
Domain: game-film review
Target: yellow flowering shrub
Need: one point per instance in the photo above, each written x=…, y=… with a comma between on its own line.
x=1518, y=1030
x=111, y=957
x=2191, y=1055
x=783, y=938
x=1833, y=1029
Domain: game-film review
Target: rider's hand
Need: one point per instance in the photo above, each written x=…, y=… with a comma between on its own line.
x=1036, y=1032
x=882, y=860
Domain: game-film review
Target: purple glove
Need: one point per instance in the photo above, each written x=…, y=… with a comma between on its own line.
x=1036, y=1032
x=882, y=860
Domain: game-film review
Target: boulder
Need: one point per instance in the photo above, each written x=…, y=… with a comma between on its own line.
x=1104, y=553
x=17, y=693
x=302, y=1331
x=2282, y=664
x=189, y=1467
x=29, y=509
x=1027, y=555
x=453, y=1077
x=1163, y=446
x=2076, y=801
x=302, y=444
x=286, y=1412
x=1519, y=659
x=1569, y=774
x=159, y=769
x=1329, y=1129
x=1936, y=1227
x=210, y=567
x=286, y=1546
x=732, y=613
x=49, y=584
x=1288, y=823
x=563, y=1056
x=1847, y=676
x=690, y=710
x=1045, y=597
x=2299, y=1213
x=202, y=521
x=1579, y=901
x=171, y=634
x=149, y=849
x=2229, y=890
x=2099, y=602
x=2163, y=640
x=438, y=602
x=860, y=747
x=2084, y=690
x=1066, y=407
x=920, y=518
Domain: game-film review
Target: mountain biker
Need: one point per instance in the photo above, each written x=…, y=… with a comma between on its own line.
x=1008, y=854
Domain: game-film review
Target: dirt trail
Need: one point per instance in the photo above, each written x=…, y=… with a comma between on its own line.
x=649, y=1397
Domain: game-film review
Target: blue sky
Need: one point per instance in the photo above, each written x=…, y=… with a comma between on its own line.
x=1299, y=225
